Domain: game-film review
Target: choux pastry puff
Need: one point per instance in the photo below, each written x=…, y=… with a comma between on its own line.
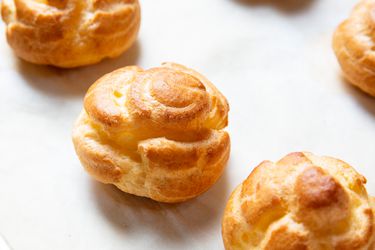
x=353, y=43
x=156, y=133
x=70, y=33
x=303, y=201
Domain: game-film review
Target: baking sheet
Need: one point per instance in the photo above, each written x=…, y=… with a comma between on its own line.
x=273, y=61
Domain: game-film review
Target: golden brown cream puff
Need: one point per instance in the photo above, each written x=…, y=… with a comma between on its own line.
x=156, y=133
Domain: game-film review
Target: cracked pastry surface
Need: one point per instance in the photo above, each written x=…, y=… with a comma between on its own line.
x=354, y=46
x=302, y=201
x=70, y=33
x=156, y=133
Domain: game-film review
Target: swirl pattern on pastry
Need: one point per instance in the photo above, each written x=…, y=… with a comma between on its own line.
x=156, y=133
x=70, y=33
x=354, y=46
x=301, y=202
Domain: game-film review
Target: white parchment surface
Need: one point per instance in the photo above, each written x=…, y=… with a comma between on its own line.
x=272, y=59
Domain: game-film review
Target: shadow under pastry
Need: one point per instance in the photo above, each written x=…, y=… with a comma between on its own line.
x=365, y=100
x=4, y=245
x=129, y=213
x=59, y=82
x=287, y=6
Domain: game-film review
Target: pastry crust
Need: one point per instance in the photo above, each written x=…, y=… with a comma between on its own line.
x=354, y=46
x=302, y=201
x=70, y=33
x=156, y=133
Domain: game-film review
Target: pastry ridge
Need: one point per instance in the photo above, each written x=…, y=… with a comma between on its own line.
x=156, y=133
x=70, y=33
x=302, y=201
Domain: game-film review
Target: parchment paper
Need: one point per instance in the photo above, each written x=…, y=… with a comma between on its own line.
x=272, y=60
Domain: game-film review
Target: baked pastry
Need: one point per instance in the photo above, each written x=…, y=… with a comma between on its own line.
x=353, y=43
x=156, y=133
x=70, y=33
x=301, y=202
